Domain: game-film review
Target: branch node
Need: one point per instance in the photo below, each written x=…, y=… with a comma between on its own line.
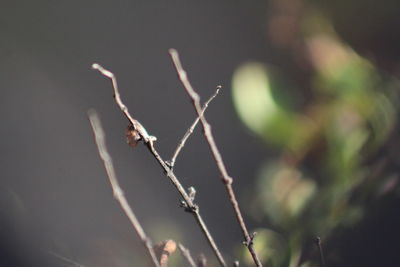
x=169, y=164
x=118, y=193
x=191, y=208
x=227, y=180
x=249, y=240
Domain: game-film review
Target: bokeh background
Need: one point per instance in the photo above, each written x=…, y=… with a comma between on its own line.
x=306, y=122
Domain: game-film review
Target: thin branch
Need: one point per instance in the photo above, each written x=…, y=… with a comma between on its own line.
x=226, y=179
x=321, y=253
x=117, y=191
x=149, y=142
x=186, y=254
x=191, y=129
x=201, y=261
x=135, y=124
x=73, y=263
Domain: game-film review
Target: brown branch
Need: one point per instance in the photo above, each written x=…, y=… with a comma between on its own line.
x=117, y=191
x=65, y=259
x=135, y=124
x=226, y=179
x=191, y=129
x=149, y=142
x=201, y=261
x=186, y=254
x=321, y=253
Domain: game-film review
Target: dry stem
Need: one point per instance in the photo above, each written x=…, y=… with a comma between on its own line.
x=226, y=179
x=186, y=254
x=191, y=129
x=321, y=253
x=149, y=142
x=117, y=191
x=69, y=261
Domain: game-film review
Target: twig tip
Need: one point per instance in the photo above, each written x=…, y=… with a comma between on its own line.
x=96, y=66
x=172, y=51
x=102, y=70
x=91, y=112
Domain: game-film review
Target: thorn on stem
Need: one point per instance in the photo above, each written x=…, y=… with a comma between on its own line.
x=192, y=193
x=228, y=180
x=183, y=204
x=253, y=235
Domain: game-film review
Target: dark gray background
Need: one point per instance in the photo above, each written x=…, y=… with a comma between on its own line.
x=54, y=192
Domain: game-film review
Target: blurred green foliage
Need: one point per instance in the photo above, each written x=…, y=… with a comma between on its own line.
x=320, y=183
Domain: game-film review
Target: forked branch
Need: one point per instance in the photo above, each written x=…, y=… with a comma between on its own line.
x=188, y=203
x=226, y=179
x=191, y=129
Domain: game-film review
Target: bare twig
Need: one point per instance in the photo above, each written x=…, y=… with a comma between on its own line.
x=321, y=253
x=226, y=179
x=191, y=129
x=186, y=254
x=149, y=142
x=201, y=261
x=117, y=191
x=73, y=263
x=134, y=123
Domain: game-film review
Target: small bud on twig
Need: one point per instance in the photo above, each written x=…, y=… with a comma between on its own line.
x=192, y=193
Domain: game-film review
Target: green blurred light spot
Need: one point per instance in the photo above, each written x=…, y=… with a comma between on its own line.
x=252, y=96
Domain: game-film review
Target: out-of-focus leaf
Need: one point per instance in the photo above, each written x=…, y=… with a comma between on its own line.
x=340, y=70
x=260, y=100
x=283, y=192
x=252, y=96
